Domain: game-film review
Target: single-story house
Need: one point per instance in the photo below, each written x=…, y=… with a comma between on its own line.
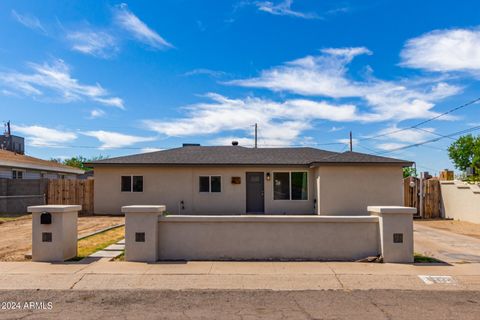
x=18, y=166
x=234, y=180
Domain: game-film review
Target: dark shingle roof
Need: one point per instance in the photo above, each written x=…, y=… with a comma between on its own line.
x=237, y=155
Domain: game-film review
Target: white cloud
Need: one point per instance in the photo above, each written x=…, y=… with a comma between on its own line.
x=406, y=135
x=39, y=136
x=110, y=139
x=283, y=8
x=280, y=123
x=326, y=75
x=390, y=146
x=146, y=150
x=131, y=23
x=29, y=21
x=335, y=129
x=97, y=113
x=202, y=71
x=96, y=43
x=56, y=78
x=444, y=50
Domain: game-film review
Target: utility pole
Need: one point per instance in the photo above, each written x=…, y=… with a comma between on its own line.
x=351, y=142
x=256, y=130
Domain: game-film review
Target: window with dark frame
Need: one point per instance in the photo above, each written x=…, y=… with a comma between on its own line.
x=290, y=186
x=215, y=184
x=132, y=184
x=137, y=185
x=281, y=186
x=210, y=184
x=17, y=174
x=126, y=183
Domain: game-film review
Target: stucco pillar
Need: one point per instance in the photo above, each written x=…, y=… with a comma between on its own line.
x=396, y=232
x=54, y=232
x=141, y=232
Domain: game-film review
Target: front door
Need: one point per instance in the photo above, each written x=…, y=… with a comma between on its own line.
x=255, y=193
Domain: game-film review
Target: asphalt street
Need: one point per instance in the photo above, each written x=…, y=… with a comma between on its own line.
x=242, y=304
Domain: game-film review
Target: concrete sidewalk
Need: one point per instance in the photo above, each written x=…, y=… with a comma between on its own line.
x=105, y=275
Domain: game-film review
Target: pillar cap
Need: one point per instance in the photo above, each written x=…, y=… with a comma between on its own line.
x=143, y=209
x=54, y=208
x=392, y=209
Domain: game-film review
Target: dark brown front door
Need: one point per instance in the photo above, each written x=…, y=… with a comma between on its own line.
x=255, y=192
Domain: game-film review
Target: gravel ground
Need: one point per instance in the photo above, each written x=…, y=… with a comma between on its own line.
x=242, y=304
x=16, y=236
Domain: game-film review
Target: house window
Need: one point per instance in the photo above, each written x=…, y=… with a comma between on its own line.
x=17, y=174
x=210, y=184
x=290, y=186
x=132, y=184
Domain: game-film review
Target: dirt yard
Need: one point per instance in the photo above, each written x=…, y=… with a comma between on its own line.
x=16, y=235
x=459, y=227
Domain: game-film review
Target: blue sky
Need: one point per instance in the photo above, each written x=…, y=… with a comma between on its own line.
x=115, y=78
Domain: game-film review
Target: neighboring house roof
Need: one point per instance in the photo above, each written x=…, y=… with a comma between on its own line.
x=237, y=155
x=15, y=160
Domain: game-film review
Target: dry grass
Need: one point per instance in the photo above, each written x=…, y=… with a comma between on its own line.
x=100, y=241
x=4, y=217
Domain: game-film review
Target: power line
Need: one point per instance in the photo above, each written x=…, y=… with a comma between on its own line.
x=432, y=140
x=423, y=122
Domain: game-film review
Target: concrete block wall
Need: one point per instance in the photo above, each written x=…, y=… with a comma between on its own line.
x=17, y=195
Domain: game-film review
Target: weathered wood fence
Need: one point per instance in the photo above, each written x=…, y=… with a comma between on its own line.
x=67, y=191
x=431, y=196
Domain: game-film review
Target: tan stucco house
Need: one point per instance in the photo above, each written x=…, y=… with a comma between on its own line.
x=226, y=180
x=19, y=166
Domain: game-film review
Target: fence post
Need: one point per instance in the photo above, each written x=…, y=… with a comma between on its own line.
x=396, y=232
x=141, y=232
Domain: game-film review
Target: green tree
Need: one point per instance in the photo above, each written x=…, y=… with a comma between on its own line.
x=409, y=172
x=465, y=152
x=78, y=161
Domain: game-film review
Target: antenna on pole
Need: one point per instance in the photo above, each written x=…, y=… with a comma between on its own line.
x=256, y=135
x=351, y=142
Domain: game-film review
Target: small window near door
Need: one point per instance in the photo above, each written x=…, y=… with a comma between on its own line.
x=290, y=186
x=299, y=186
x=281, y=186
x=210, y=184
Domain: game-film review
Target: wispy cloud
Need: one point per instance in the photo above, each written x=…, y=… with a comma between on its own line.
x=39, y=136
x=138, y=29
x=283, y=8
x=29, y=21
x=109, y=139
x=444, y=50
x=146, y=150
x=207, y=72
x=326, y=75
x=96, y=43
x=280, y=123
x=335, y=129
x=96, y=113
x=53, y=81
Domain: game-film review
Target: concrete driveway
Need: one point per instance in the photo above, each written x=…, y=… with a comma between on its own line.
x=446, y=246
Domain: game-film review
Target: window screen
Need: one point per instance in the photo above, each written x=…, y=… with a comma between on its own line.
x=299, y=186
x=137, y=183
x=281, y=186
x=216, y=184
x=126, y=183
x=204, y=184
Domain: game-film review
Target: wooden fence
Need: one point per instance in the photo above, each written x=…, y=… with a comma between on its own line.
x=67, y=191
x=431, y=196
